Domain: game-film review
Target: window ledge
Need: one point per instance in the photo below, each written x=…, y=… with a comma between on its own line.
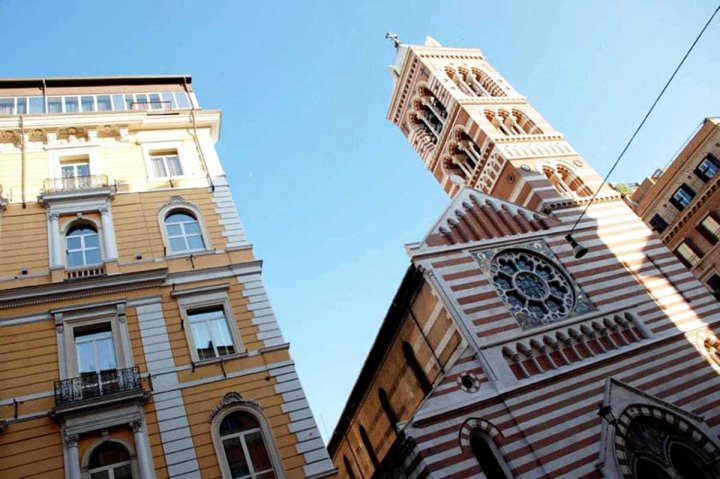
x=221, y=359
x=187, y=254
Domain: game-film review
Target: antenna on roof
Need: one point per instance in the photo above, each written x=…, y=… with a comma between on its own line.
x=393, y=37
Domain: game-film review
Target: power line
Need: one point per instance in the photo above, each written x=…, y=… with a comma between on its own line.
x=662, y=92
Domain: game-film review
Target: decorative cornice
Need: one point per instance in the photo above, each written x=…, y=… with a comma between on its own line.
x=234, y=399
x=28, y=295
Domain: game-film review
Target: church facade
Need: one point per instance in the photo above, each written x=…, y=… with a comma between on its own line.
x=512, y=349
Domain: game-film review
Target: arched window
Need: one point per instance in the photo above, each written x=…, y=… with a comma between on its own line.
x=369, y=447
x=387, y=407
x=183, y=232
x=82, y=245
x=415, y=367
x=487, y=455
x=657, y=449
x=245, y=454
x=110, y=460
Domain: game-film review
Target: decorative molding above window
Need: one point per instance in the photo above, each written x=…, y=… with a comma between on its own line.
x=234, y=399
x=532, y=283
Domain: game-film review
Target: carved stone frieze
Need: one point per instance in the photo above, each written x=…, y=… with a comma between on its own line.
x=234, y=399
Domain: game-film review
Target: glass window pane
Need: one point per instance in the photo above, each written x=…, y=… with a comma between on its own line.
x=195, y=242
x=158, y=167
x=173, y=163
x=202, y=340
x=168, y=100
x=71, y=104
x=129, y=100
x=73, y=243
x=54, y=104
x=91, y=241
x=122, y=472
x=82, y=169
x=37, y=104
x=220, y=333
x=174, y=230
x=141, y=101
x=236, y=457
x=7, y=106
x=85, y=356
x=154, y=99
x=179, y=218
x=177, y=245
x=118, y=102
x=103, y=103
x=93, y=256
x=100, y=475
x=21, y=106
x=257, y=451
x=192, y=228
x=182, y=100
x=87, y=103
x=105, y=354
x=75, y=258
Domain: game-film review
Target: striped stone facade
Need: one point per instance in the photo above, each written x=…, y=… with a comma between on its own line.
x=550, y=378
x=163, y=401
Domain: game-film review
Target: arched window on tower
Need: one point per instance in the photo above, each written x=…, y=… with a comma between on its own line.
x=430, y=111
x=416, y=369
x=525, y=124
x=459, y=79
x=387, y=407
x=487, y=455
x=572, y=181
x=369, y=447
x=486, y=84
x=565, y=181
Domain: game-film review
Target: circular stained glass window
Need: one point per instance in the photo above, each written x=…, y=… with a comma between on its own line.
x=536, y=290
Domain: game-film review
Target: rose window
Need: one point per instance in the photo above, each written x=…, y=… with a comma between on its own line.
x=536, y=290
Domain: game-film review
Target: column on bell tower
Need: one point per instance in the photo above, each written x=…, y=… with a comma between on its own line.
x=471, y=128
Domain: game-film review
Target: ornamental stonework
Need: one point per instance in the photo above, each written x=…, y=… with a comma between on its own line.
x=533, y=285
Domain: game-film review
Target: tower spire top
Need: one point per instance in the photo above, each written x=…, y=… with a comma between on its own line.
x=393, y=37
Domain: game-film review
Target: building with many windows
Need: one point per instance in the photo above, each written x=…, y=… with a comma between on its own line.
x=512, y=349
x=682, y=204
x=136, y=338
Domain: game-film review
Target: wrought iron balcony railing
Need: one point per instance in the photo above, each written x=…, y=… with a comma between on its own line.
x=93, y=385
x=75, y=183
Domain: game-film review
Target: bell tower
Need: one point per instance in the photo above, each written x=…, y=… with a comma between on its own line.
x=472, y=128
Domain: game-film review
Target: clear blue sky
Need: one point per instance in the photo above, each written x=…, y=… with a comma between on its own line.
x=328, y=190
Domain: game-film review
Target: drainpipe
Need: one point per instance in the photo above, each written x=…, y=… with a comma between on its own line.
x=195, y=136
x=22, y=160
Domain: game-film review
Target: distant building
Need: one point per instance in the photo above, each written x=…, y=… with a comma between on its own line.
x=136, y=337
x=682, y=204
x=506, y=351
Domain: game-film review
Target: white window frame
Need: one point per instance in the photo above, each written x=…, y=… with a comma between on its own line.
x=178, y=204
x=60, y=154
x=70, y=318
x=85, y=471
x=150, y=147
x=265, y=431
x=164, y=155
x=69, y=225
x=202, y=298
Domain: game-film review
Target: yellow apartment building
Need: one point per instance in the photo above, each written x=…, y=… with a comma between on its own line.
x=136, y=338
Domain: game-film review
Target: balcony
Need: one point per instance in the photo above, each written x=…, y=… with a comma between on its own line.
x=76, y=186
x=92, y=390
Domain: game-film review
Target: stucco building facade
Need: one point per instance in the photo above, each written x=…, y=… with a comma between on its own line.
x=509, y=351
x=682, y=204
x=136, y=337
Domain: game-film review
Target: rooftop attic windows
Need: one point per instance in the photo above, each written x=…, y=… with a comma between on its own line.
x=21, y=105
